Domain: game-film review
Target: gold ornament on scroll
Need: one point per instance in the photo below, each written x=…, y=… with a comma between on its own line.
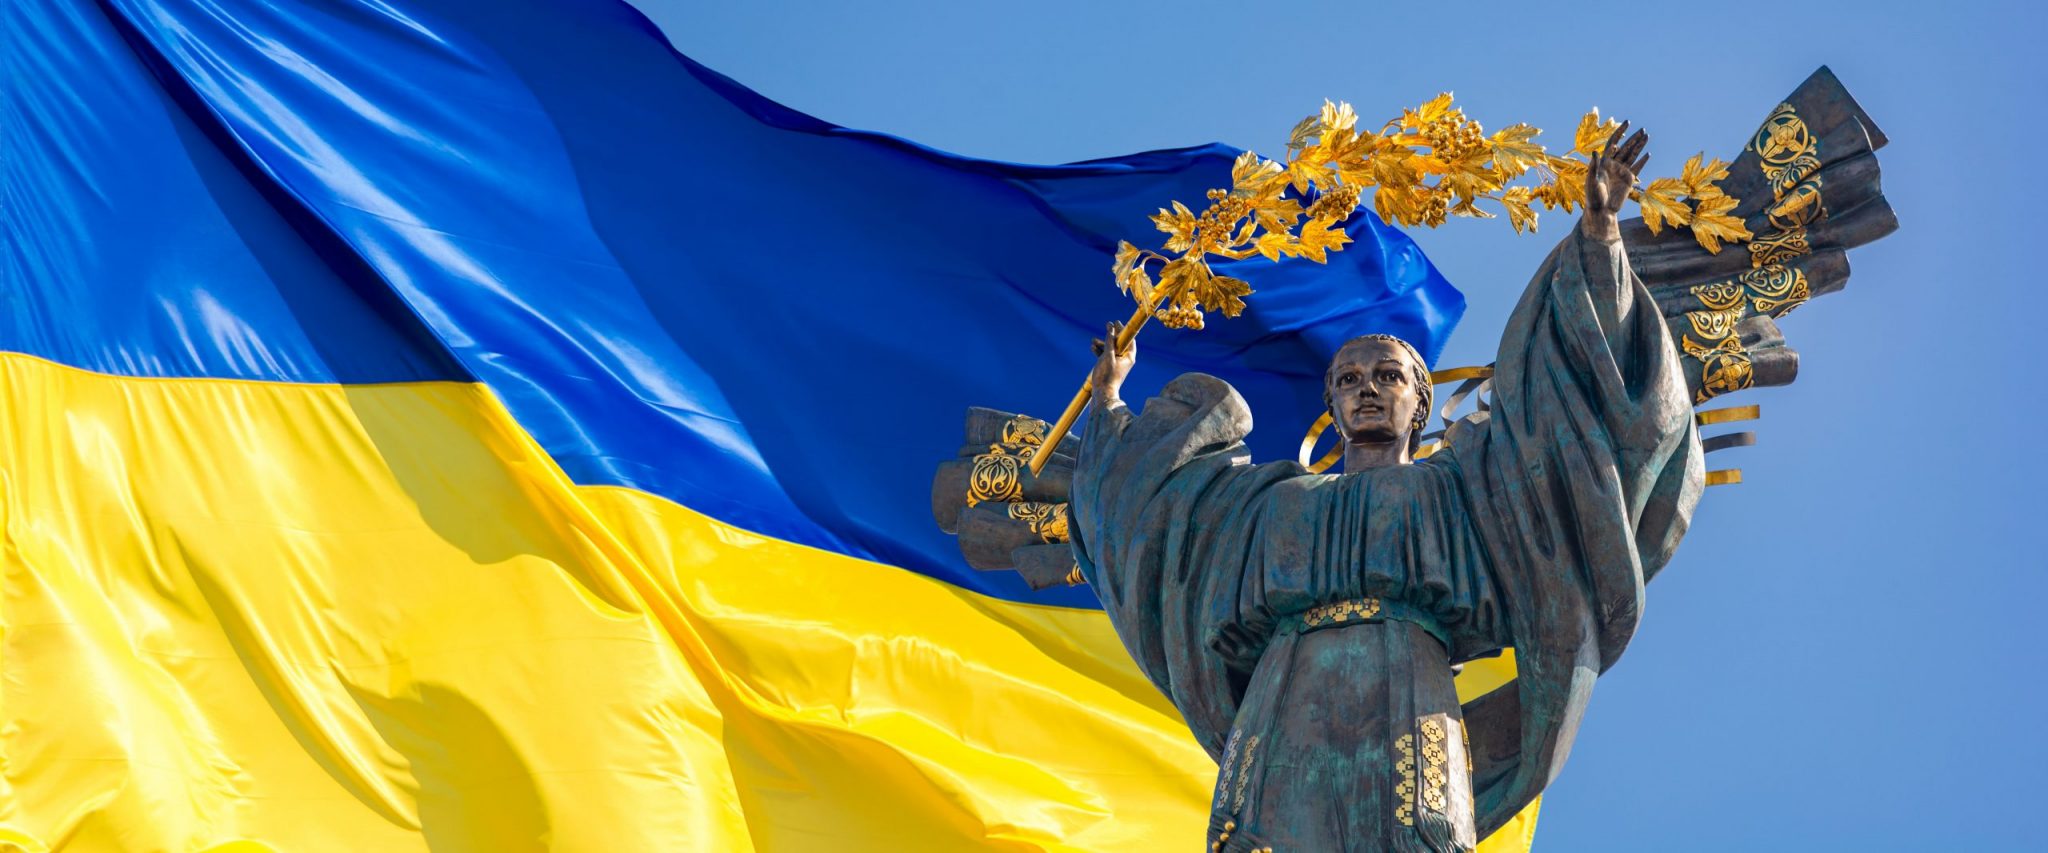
x=995, y=477
x=1789, y=158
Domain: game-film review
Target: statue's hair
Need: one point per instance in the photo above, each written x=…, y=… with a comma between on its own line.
x=1425, y=389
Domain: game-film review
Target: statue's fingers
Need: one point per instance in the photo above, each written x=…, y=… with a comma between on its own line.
x=1634, y=146
x=1640, y=163
x=1614, y=139
x=1097, y=346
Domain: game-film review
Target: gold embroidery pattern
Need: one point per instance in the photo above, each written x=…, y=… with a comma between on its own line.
x=1778, y=246
x=994, y=478
x=1714, y=324
x=1791, y=165
x=1776, y=289
x=1725, y=366
x=1341, y=611
x=1404, y=793
x=1025, y=430
x=1244, y=770
x=1789, y=151
x=1229, y=755
x=1049, y=521
x=1433, y=774
x=1719, y=296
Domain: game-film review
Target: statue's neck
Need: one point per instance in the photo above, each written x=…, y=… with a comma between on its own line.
x=1367, y=455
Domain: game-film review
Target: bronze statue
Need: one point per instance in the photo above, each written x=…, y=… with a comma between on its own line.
x=1307, y=625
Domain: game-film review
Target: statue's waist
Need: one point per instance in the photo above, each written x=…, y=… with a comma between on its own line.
x=1359, y=611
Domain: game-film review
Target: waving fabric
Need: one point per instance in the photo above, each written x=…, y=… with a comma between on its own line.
x=436, y=423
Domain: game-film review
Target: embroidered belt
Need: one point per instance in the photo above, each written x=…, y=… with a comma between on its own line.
x=1359, y=610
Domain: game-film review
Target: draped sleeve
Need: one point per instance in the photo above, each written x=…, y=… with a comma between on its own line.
x=1163, y=522
x=1580, y=481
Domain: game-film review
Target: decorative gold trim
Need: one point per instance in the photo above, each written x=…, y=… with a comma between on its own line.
x=1048, y=520
x=1778, y=246
x=1730, y=414
x=1459, y=374
x=1073, y=577
x=1724, y=366
x=1434, y=757
x=1714, y=324
x=995, y=478
x=1025, y=430
x=1718, y=296
x=1340, y=611
x=1244, y=769
x=1404, y=791
x=1724, y=477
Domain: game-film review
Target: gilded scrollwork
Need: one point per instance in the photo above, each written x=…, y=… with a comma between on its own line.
x=1714, y=324
x=995, y=477
x=1790, y=156
x=1048, y=520
x=1025, y=430
x=1789, y=151
x=1724, y=366
x=1778, y=247
x=1718, y=296
x=1776, y=289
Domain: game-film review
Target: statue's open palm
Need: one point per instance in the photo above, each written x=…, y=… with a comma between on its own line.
x=1609, y=177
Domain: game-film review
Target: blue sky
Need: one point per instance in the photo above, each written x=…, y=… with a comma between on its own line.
x=1843, y=655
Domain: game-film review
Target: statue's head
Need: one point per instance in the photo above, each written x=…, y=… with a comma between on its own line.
x=1378, y=391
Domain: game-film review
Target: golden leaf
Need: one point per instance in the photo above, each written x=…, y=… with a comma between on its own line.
x=1180, y=275
x=1303, y=131
x=1317, y=237
x=1137, y=282
x=1469, y=208
x=1711, y=223
x=1126, y=258
x=1699, y=179
x=1569, y=189
x=1515, y=150
x=1662, y=202
x=1252, y=175
x=1469, y=176
x=1226, y=294
x=1593, y=133
x=1274, y=244
x=1397, y=204
x=1277, y=215
x=1337, y=116
x=1423, y=115
x=1179, y=223
x=1520, y=214
x=1305, y=172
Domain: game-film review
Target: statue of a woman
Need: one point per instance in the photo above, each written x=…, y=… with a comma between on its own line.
x=1306, y=625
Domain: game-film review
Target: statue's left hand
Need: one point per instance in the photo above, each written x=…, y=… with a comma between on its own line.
x=1609, y=177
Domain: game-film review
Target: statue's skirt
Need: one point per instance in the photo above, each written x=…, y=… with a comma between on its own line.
x=1349, y=738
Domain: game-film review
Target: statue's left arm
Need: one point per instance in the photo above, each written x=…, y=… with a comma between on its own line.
x=1581, y=480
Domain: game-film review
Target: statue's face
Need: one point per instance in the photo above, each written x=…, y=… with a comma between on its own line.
x=1372, y=392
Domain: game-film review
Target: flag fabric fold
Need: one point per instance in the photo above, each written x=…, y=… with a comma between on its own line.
x=438, y=423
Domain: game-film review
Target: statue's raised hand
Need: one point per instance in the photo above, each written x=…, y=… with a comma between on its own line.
x=1609, y=177
x=1112, y=367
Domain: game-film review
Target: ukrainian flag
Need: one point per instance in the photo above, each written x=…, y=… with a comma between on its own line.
x=452, y=424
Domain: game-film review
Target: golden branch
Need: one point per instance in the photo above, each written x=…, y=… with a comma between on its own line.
x=1422, y=168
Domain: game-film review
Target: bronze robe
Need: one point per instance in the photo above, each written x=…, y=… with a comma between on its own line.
x=1305, y=624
